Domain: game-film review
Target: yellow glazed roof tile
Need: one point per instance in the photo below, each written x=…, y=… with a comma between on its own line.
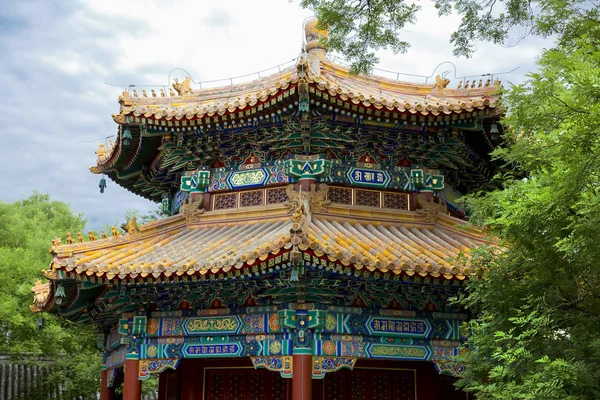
x=212, y=248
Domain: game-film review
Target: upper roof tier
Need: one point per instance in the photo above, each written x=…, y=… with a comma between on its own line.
x=313, y=107
x=331, y=79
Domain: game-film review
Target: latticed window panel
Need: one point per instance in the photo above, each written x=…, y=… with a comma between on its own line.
x=256, y=385
x=358, y=385
x=216, y=386
x=340, y=195
x=279, y=389
x=225, y=201
x=237, y=386
x=276, y=196
x=397, y=201
x=250, y=199
x=404, y=385
x=368, y=198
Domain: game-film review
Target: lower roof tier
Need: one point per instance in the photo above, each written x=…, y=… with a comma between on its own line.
x=228, y=243
x=320, y=253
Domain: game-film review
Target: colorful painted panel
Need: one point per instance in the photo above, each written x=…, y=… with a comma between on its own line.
x=236, y=178
x=369, y=177
x=116, y=358
x=148, y=367
x=421, y=353
x=246, y=179
x=213, y=350
x=211, y=325
x=398, y=327
x=206, y=326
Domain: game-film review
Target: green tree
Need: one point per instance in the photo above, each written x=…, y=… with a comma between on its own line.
x=538, y=330
x=26, y=230
x=357, y=27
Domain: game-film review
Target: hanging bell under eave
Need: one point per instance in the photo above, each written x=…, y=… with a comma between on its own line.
x=494, y=132
x=40, y=323
x=60, y=294
x=102, y=185
x=127, y=137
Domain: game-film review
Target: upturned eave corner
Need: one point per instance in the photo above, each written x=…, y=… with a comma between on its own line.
x=119, y=118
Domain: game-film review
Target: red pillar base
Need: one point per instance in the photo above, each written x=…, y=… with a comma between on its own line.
x=302, y=378
x=132, y=386
x=106, y=393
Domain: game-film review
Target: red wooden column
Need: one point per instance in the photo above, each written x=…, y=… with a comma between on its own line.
x=132, y=386
x=302, y=378
x=106, y=393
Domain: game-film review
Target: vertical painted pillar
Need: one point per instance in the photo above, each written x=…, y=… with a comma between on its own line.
x=132, y=386
x=106, y=393
x=302, y=378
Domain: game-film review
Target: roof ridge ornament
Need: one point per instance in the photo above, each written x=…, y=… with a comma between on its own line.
x=441, y=81
x=428, y=208
x=193, y=208
x=303, y=203
x=131, y=226
x=183, y=88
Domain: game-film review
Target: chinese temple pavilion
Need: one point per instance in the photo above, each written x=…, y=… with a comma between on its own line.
x=314, y=241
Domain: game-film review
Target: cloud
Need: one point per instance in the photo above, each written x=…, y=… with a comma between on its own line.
x=57, y=56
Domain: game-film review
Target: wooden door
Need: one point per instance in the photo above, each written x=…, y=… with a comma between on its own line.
x=370, y=384
x=245, y=384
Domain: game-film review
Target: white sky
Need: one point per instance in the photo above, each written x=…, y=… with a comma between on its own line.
x=55, y=58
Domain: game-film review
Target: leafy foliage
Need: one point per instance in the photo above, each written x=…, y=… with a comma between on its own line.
x=357, y=27
x=26, y=230
x=538, y=335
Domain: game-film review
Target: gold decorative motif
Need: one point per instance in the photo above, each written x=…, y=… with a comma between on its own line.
x=441, y=82
x=153, y=92
x=183, y=88
x=56, y=242
x=92, y=236
x=144, y=93
x=118, y=118
x=193, y=209
x=398, y=351
x=428, y=208
x=114, y=231
x=101, y=151
x=314, y=200
x=79, y=237
x=103, y=234
x=70, y=239
x=224, y=324
x=131, y=226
